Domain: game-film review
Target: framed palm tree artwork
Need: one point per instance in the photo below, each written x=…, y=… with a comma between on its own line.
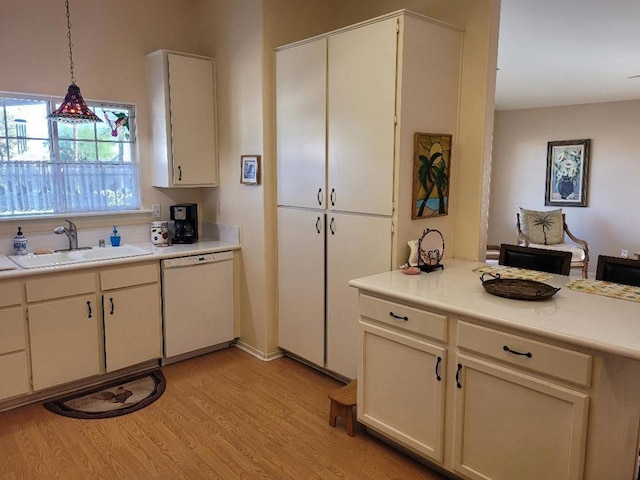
x=431, y=175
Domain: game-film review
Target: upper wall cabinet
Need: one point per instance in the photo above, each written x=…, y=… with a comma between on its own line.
x=183, y=119
x=301, y=92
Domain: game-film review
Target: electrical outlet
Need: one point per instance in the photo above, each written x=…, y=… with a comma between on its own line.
x=624, y=254
x=156, y=210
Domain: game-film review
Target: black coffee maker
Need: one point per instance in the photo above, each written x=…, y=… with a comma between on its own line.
x=185, y=226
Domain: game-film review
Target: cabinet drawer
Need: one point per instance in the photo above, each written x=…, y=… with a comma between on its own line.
x=129, y=276
x=540, y=357
x=10, y=294
x=11, y=330
x=14, y=374
x=60, y=286
x=429, y=324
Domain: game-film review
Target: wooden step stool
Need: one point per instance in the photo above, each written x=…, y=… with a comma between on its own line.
x=343, y=400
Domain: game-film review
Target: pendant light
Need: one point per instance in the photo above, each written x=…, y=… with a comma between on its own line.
x=73, y=108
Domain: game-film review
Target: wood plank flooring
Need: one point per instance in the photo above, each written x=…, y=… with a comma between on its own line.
x=225, y=415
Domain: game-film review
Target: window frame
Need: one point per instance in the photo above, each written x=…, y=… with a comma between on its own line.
x=61, y=208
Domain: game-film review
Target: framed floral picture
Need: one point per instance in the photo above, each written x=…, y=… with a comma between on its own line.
x=431, y=173
x=567, y=173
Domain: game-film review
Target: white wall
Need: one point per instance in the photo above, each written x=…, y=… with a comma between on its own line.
x=611, y=220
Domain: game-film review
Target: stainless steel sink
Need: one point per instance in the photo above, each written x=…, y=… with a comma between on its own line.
x=83, y=255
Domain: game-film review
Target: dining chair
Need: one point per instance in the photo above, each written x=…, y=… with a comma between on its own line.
x=540, y=259
x=618, y=270
x=547, y=229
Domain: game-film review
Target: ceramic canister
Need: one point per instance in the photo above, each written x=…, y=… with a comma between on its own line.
x=160, y=234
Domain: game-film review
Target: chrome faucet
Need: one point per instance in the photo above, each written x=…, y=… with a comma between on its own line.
x=72, y=234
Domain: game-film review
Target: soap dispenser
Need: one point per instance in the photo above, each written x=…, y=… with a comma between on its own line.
x=115, y=237
x=20, y=243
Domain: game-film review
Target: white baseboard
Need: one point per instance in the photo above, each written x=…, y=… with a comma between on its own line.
x=265, y=357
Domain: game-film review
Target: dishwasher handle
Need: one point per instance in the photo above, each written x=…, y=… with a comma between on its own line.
x=194, y=260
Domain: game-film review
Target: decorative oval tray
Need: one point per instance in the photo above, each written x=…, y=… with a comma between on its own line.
x=517, y=288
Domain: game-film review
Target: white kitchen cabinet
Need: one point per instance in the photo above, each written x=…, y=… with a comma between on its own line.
x=517, y=406
x=64, y=328
x=14, y=369
x=512, y=425
x=301, y=90
x=131, y=313
x=183, y=119
x=402, y=375
x=361, y=104
x=513, y=409
x=301, y=280
x=373, y=87
x=356, y=245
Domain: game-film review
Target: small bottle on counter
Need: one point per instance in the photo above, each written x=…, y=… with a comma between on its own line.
x=115, y=237
x=20, y=243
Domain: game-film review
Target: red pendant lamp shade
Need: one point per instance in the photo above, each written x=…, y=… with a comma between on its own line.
x=74, y=109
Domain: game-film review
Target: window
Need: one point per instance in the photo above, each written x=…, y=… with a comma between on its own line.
x=56, y=168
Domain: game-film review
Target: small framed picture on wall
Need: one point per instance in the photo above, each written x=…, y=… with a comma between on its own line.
x=250, y=169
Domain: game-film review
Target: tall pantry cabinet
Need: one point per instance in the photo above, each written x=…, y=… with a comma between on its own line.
x=348, y=104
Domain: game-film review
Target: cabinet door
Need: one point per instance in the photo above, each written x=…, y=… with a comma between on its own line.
x=510, y=425
x=361, y=110
x=301, y=283
x=65, y=340
x=13, y=359
x=401, y=388
x=192, y=113
x=357, y=246
x=14, y=372
x=132, y=326
x=301, y=105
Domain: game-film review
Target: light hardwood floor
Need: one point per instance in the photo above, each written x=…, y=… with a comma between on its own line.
x=225, y=415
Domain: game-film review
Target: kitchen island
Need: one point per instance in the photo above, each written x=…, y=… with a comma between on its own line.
x=488, y=387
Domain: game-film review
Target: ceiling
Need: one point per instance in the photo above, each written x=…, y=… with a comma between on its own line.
x=567, y=52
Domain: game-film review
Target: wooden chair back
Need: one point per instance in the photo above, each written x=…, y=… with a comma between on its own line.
x=542, y=260
x=618, y=270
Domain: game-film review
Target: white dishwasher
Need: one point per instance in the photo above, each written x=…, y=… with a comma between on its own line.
x=197, y=304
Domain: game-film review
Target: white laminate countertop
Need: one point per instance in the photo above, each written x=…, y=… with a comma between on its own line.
x=593, y=321
x=157, y=253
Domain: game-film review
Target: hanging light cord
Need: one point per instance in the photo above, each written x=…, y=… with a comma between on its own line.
x=73, y=78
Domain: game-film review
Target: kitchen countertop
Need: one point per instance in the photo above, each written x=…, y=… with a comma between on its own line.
x=158, y=253
x=600, y=323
